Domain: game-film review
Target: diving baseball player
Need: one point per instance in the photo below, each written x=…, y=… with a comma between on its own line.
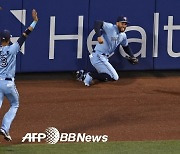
x=8, y=52
x=109, y=38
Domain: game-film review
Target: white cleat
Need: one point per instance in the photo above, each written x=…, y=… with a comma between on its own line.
x=6, y=135
x=86, y=84
x=88, y=79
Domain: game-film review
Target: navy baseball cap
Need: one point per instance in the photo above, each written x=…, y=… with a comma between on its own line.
x=122, y=19
x=5, y=35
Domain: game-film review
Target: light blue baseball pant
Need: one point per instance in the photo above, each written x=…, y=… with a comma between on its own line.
x=8, y=89
x=102, y=65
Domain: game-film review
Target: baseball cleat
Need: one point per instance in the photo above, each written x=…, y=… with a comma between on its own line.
x=86, y=84
x=80, y=75
x=88, y=80
x=6, y=135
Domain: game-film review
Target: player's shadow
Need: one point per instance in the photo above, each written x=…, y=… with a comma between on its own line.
x=170, y=92
x=109, y=119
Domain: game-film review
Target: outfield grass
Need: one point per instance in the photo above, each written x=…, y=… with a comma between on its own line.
x=153, y=147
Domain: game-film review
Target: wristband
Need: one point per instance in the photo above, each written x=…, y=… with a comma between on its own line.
x=27, y=32
x=33, y=24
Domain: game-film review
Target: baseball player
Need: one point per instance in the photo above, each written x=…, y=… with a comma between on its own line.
x=8, y=52
x=109, y=37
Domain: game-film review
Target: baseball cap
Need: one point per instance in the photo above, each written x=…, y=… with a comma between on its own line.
x=5, y=35
x=122, y=19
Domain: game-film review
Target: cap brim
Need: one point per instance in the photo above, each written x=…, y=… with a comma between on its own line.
x=125, y=21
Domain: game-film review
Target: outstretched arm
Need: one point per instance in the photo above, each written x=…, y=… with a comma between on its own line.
x=128, y=50
x=22, y=39
x=133, y=60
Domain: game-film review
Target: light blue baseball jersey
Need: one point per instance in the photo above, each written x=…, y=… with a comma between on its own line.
x=8, y=87
x=112, y=38
x=8, y=60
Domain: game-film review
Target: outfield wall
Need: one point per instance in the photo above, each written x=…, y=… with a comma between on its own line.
x=64, y=36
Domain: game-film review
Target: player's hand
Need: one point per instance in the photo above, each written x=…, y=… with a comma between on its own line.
x=34, y=15
x=100, y=40
x=132, y=60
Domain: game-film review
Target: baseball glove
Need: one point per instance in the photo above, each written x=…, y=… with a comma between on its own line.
x=132, y=60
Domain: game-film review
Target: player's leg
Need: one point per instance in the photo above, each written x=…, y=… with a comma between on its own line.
x=13, y=97
x=105, y=71
x=102, y=65
x=81, y=75
x=1, y=98
x=101, y=76
x=1, y=92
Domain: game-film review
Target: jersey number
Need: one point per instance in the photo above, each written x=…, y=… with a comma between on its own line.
x=3, y=61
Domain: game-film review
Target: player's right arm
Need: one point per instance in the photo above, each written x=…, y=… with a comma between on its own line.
x=98, y=25
x=22, y=39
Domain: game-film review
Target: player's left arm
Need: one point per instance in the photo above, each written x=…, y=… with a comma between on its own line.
x=22, y=39
x=128, y=50
x=131, y=58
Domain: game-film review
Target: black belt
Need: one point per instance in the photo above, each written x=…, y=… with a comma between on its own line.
x=105, y=54
x=9, y=79
x=102, y=53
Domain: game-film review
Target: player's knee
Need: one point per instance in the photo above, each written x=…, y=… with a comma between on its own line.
x=15, y=103
x=115, y=76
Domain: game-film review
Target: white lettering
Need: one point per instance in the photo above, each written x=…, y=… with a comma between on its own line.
x=54, y=37
x=63, y=137
x=96, y=138
x=41, y=136
x=72, y=137
x=88, y=138
x=34, y=137
x=27, y=136
x=104, y=138
x=170, y=27
x=155, y=34
x=81, y=137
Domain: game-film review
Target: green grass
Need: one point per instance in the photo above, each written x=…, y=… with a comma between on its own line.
x=148, y=147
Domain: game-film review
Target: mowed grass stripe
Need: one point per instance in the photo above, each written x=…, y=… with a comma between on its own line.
x=138, y=147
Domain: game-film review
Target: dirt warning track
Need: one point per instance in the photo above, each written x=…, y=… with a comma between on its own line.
x=145, y=106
